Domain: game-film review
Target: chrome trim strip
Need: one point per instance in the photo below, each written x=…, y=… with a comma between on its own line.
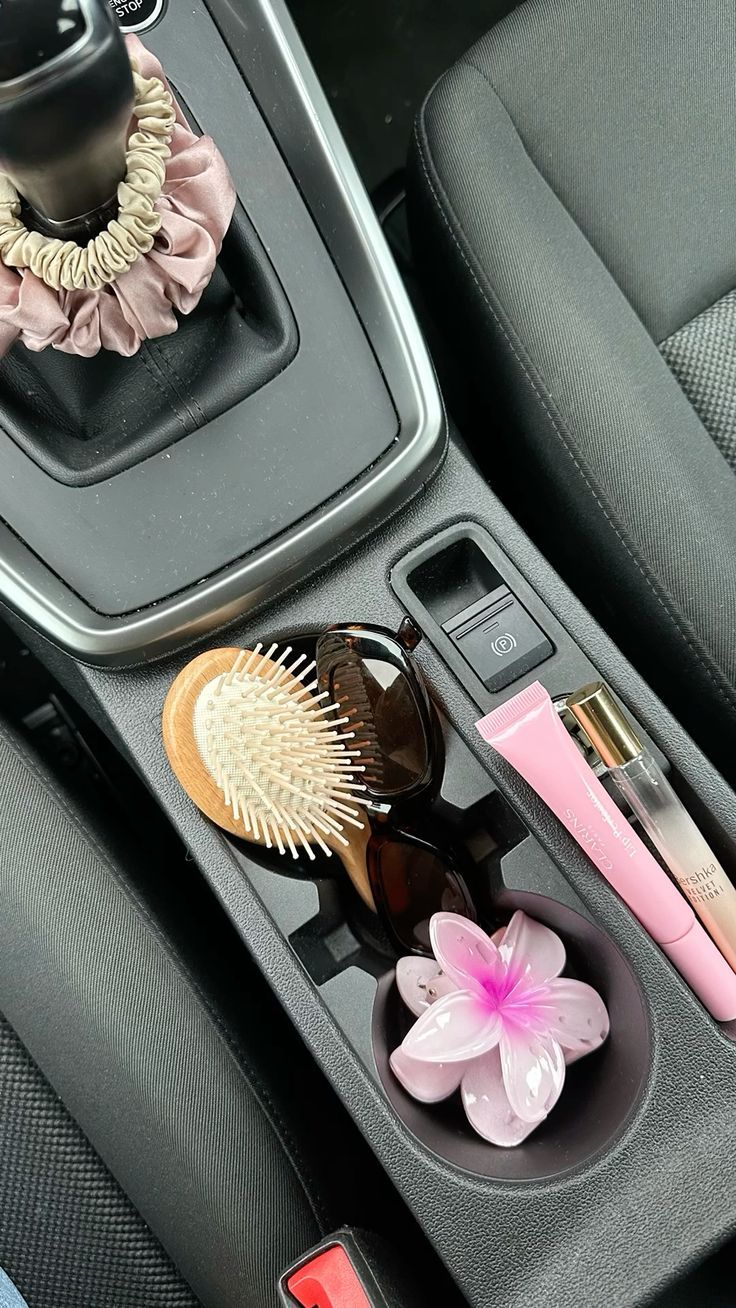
x=350, y=227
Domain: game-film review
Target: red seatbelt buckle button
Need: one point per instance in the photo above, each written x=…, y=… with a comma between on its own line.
x=328, y=1280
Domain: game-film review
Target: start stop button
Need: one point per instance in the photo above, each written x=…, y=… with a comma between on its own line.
x=137, y=15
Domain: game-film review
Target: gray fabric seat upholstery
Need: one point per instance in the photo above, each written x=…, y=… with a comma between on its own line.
x=153, y=1150
x=573, y=205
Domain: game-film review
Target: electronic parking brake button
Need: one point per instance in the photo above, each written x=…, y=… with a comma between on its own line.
x=498, y=638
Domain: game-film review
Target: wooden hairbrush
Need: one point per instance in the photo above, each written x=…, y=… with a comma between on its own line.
x=262, y=754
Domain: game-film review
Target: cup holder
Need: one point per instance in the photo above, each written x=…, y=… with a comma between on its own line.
x=601, y=1091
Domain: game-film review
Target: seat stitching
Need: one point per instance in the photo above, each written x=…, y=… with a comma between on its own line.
x=701, y=655
x=248, y=1073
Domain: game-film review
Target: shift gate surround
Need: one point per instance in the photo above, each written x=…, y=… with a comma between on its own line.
x=164, y=617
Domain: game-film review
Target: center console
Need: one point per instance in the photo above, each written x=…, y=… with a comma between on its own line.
x=325, y=491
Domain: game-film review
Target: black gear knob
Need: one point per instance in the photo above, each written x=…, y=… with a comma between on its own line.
x=66, y=97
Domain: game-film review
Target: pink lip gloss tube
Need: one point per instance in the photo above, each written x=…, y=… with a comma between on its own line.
x=529, y=734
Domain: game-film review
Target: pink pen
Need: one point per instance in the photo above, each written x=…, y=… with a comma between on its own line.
x=528, y=732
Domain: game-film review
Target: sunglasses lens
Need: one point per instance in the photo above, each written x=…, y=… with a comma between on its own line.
x=398, y=726
x=389, y=722
x=411, y=883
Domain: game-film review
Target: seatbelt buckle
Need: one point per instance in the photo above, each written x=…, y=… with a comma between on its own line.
x=350, y=1269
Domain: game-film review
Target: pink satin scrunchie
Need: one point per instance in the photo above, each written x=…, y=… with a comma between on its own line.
x=196, y=208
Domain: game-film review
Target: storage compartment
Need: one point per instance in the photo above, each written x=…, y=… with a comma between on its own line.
x=601, y=1091
x=454, y=578
x=349, y=957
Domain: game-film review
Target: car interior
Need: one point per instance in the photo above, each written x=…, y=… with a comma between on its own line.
x=367, y=654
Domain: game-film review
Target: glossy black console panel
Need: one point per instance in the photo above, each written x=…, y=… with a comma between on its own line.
x=116, y=553
x=653, y=1193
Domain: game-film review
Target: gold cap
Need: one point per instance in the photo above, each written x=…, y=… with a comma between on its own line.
x=605, y=723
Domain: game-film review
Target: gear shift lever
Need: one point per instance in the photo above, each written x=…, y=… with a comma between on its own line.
x=106, y=235
x=66, y=98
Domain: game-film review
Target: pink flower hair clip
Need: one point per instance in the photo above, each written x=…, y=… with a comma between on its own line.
x=496, y=1021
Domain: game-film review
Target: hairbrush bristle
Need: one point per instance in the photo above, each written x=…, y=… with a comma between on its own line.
x=277, y=753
